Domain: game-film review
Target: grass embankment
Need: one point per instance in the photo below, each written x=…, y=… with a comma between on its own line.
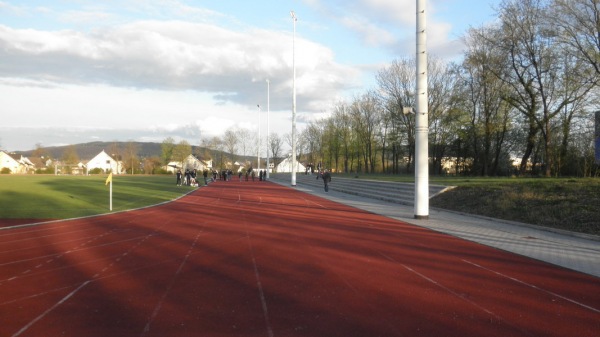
x=562, y=203
x=60, y=197
x=569, y=204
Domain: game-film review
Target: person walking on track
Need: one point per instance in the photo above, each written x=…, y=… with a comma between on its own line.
x=326, y=179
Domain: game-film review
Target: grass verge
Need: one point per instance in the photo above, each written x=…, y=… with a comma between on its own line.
x=571, y=204
x=568, y=204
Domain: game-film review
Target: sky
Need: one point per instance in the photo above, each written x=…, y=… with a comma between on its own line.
x=77, y=71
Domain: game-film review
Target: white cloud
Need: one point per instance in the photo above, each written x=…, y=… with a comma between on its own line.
x=370, y=33
x=81, y=17
x=170, y=55
x=165, y=67
x=400, y=12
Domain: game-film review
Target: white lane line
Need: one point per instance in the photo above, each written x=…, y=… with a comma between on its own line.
x=168, y=290
x=60, y=255
x=26, y=327
x=454, y=293
x=534, y=287
x=23, y=329
x=261, y=292
x=445, y=288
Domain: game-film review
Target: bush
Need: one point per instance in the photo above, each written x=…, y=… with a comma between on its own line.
x=96, y=170
x=5, y=170
x=162, y=171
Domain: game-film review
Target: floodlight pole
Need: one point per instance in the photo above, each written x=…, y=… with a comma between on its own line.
x=293, y=183
x=258, y=146
x=421, y=119
x=597, y=138
x=268, y=111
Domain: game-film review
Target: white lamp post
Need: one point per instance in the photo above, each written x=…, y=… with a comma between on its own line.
x=421, y=122
x=294, y=101
x=268, y=110
x=258, y=146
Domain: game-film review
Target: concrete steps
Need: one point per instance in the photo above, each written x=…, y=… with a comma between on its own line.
x=395, y=192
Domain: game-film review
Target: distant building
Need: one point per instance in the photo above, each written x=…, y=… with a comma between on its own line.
x=106, y=163
x=17, y=164
x=191, y=162
x=286, y=166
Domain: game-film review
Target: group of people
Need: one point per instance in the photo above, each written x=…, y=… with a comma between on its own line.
x=262, y=174
x=188, y=178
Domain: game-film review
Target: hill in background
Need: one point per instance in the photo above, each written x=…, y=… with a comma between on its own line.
x=87, y=151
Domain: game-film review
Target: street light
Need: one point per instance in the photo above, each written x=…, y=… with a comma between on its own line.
x=268, y=110
x=258, y=146
x=421, y=119
x=294, y=19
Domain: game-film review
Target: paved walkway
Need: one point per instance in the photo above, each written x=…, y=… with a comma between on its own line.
x=569, y=250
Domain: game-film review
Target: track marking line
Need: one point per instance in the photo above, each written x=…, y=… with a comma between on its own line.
x=38, y=318
x=60, y=255
x=453, y=293
x=534, y=286
x=261, y=292
x=170, y=286
x=446, y=288
x=64, y=299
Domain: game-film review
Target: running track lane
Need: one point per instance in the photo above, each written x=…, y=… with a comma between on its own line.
x=260, y=259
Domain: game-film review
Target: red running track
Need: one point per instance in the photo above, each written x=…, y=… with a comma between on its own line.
x=260, y=259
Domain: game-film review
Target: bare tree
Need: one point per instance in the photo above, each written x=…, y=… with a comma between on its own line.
x=215, y=148
x=332, y=145
x=231, y=142
x=366, y=119
x=246, y=144
x=578, y=25
x=300, y=143
x=346, y=138
x=151, y=164
x=396, y=89
x=70, y=155
x=484, y=97
x=181, y=151
x=167, y=146
x=275, y=146
x=541, y=85
x=130, y=155
x=313, y=138
x=444, y=109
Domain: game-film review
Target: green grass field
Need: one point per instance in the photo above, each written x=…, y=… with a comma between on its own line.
x=571, y=204
x=61, y=197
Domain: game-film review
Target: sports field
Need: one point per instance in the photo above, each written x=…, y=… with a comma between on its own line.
x=29, y=197
x=260, y=259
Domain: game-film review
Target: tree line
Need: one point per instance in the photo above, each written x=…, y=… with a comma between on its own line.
x=521, y=101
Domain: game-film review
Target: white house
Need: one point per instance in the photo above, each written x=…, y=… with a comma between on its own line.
x=106, y=163
x=286, y=166
x=15, y=163
x=191, y=162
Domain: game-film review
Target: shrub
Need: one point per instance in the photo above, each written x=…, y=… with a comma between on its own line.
x=96, y=170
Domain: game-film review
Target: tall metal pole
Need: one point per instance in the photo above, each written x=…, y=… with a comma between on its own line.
x=268, y=121
x=422, y=116
x=294, y=165
x=258, y=146
x=597, y=139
